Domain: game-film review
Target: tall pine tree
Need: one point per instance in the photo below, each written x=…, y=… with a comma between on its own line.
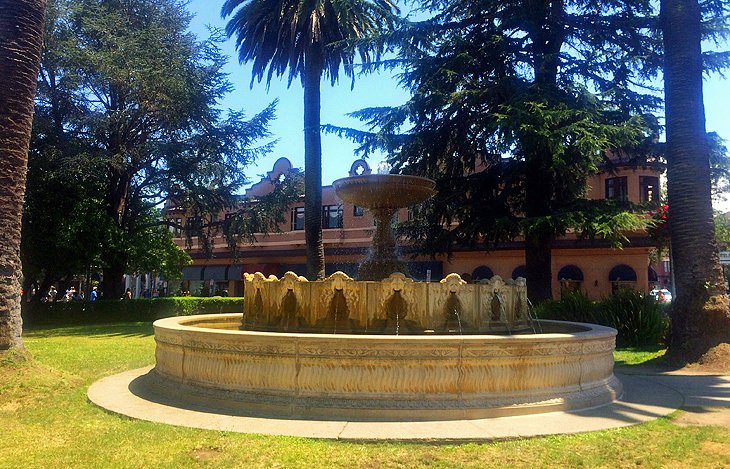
x=514, y=105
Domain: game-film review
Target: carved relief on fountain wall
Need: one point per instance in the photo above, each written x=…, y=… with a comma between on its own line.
x=396, y=305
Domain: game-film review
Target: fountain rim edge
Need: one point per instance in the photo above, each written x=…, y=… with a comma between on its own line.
x=177, y=323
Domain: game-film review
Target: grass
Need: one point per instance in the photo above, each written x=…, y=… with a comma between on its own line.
x=47, y=421
x=639, y=355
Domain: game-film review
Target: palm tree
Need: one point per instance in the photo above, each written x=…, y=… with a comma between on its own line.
x=310, y=38
x=21, y=39
x=700, y=317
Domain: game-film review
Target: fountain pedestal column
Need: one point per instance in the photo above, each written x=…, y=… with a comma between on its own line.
x=382, y=259
x=383, y=195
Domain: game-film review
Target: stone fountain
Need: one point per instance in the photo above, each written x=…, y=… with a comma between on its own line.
x=383, y=346
x=383, y=195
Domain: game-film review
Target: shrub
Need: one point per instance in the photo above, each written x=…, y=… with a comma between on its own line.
x=572, y=306
x=638, y=318
x=105, y=311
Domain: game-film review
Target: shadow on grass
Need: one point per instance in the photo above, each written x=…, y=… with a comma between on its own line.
x=127, y=329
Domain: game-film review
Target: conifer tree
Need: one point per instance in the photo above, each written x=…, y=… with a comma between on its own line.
x=514, y=105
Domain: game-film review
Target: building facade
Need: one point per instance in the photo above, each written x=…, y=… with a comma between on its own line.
x=592, y=266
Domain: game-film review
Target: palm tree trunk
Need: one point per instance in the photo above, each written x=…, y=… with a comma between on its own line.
x=700, y=318
x=21, y=39
x=313, y=165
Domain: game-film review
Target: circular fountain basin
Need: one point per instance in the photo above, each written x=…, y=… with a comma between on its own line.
x=375, y=191
x=383, y=377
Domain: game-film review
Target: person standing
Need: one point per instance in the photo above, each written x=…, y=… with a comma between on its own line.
x=52, y=294
x=93, y=295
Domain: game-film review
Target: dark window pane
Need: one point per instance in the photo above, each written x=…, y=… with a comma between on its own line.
x=297, y=218
x=617, y=188
x=332, y=216
x=649, y=187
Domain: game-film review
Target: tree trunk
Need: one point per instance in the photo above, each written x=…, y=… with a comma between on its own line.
x=21, y=39
x=538, y=263
x=700, y=318
x=538, y=244
x=546, y=28
x=313, y=165
x=112, y=285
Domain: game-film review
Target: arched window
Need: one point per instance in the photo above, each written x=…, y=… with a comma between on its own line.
x=570, y=278
x=520, y=271
x=622, y=276
x=482, y=273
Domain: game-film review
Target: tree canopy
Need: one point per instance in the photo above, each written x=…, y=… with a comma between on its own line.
x=514, y=104
x=128, y=118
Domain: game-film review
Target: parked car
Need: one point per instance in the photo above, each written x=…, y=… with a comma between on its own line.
x=662, y=295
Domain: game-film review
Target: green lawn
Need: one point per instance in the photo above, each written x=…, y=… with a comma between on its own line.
x=47, y=422
x=639, y=355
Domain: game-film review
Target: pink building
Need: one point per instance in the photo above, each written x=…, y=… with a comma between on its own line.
x=592, y=266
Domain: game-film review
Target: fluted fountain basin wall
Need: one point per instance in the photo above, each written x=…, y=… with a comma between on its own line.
x=383, y=377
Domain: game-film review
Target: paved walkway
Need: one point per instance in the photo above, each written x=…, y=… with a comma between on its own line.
x=647, y=396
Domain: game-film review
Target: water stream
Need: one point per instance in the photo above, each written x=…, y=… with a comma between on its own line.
x=532, y=318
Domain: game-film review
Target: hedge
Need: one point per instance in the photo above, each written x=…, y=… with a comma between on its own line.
x=106, y=311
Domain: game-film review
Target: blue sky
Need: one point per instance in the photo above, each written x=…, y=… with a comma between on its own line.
x=337, y=153
x=337, y=101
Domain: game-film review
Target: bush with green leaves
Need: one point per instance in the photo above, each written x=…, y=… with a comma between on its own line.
x=638, y=318
x=572, y=306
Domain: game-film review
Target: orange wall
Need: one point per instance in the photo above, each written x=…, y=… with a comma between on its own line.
x=597, y=183
x=595, y=263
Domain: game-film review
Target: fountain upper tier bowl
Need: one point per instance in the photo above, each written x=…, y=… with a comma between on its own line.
x=377, y=191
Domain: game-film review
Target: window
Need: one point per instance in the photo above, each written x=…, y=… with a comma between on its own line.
x=297, y=218
x=357, y=211
x=617, y=188
x=414, y=212
x=649, y=186
x=332, y=216
x=177, y=229
x=194, y=223
x=482, y=273
x=570, y=278
x=228, y=221
x=622, y=277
